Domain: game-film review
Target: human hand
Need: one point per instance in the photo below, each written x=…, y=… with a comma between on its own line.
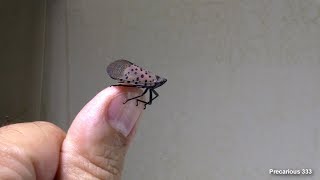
x=93, y=148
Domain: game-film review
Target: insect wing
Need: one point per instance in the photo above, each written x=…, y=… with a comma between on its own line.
x=128, y=73
x=117, y=68
x=138, y=76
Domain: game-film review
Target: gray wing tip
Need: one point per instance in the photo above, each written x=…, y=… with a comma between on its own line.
x=116, y=68
x=122, y=61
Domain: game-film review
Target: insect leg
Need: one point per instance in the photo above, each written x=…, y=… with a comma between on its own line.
x=149, y=102
x=144, y=92
x=150, y=98
x=145, y=102
x=156, y=93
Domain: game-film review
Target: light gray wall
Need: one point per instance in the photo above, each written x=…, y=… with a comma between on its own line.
x=55, y=96
x=243, y=81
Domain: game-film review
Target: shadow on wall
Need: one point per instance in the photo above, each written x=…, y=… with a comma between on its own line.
x=21, y=54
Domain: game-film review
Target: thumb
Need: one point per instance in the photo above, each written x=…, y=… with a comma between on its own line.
x=97, y=141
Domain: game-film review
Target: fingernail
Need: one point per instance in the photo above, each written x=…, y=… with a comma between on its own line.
x=123, y=117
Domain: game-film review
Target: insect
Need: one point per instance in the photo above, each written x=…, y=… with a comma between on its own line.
x=131, y=75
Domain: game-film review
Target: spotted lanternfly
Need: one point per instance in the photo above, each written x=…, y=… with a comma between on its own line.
x=131, y=75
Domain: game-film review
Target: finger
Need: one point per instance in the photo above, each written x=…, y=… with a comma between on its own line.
x=30, y=150
x=98, y=138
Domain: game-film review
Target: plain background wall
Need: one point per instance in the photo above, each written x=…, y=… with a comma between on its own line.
x=243, y=81
x=21, y=59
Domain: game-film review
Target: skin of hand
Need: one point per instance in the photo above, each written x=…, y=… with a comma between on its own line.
x=93, y=148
